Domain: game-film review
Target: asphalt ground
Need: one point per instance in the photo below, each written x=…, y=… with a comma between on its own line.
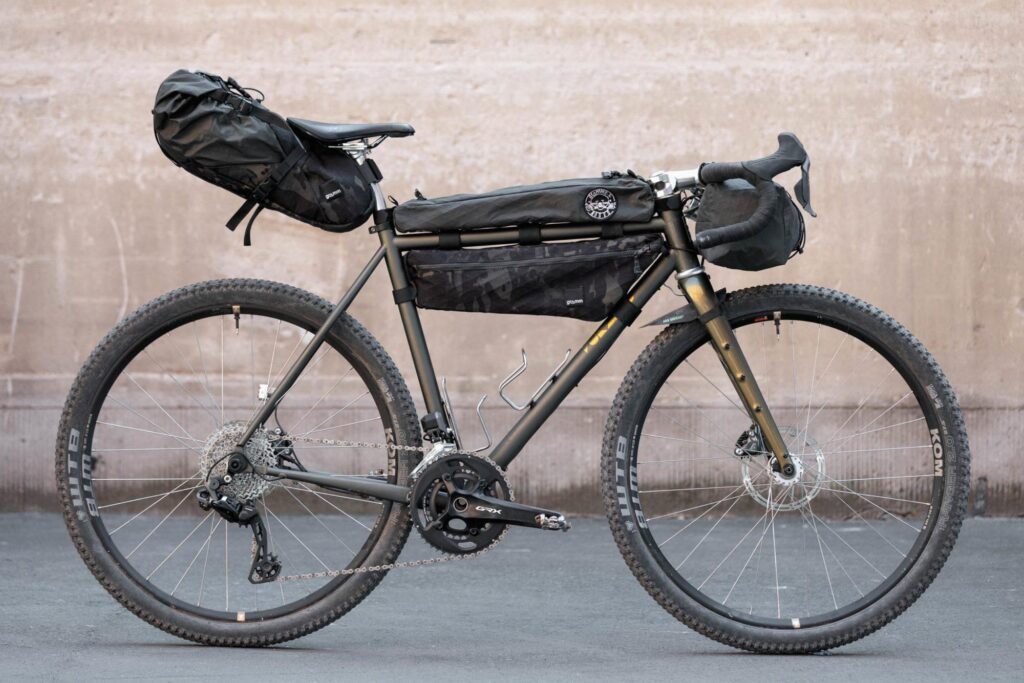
x=541, y=606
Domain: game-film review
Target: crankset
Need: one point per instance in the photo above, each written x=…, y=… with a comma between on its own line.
x=461, y=503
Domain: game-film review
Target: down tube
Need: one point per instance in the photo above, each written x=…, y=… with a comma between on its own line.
x=582, y=363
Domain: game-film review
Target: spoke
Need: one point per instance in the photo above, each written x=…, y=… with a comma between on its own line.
x=136, y=500
x=709, y=443
x=192, y=369
x=202, y=365
x=708, y=533
x=188, y=494
x=317, y=518
x=824, y=373
x=180, y=439
x=895, y=476
x=157, y=404
x=810, y=395
x=734, y=548
x=775, y=555
x=319, y=400
x=715, y=386
x=877, y=429
x=841, y=566
x=194, y=476
x=715, y=457
x=836, y=534
x=870, y=526
x=303, y=487
x=222, y=377
x=862, y=404
x=697, y=507
x=335, y=495
x=288, y=529
x=821, y=550
x=227, y=584
x=698, y=409
x=270, y=542
x=694, y=488
x=332, y=416
x=180, y=385
x=206, y=561
x=341, y=426
x=875, y=495
x=126, y=450
x=877, y=450
x=213, y=527
x=154, y=503
x=867, y=500
x=764, y=532
x=171, y=554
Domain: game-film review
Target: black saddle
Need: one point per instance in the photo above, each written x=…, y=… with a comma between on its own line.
x=337, y=133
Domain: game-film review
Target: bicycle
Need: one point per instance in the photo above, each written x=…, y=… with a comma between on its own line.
x=775, y=512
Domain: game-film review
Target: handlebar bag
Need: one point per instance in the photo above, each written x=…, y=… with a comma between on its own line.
x=583, y=280
x=734, y=201
x=615, y=198
x=217, y=131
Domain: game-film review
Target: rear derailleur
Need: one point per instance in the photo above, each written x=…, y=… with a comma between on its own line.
x=265, y=565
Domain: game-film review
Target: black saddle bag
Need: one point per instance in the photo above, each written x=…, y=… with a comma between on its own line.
x=583, y=280
x=217, y=131
x=735, y=201
x=615, y=198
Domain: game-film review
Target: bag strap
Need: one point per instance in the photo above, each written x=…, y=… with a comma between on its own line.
x=262, y=192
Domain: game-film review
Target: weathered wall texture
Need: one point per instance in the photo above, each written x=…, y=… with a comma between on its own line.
x=911, y=112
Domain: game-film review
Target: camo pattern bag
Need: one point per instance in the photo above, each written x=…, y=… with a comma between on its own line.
x=583, y=280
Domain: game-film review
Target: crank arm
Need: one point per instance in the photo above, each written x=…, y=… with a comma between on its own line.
x=368, y=487
x=478, y=506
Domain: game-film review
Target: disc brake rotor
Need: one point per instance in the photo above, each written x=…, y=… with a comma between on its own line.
x=787, y=493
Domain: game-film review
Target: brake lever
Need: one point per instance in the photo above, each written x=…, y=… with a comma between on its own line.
x=802, y=189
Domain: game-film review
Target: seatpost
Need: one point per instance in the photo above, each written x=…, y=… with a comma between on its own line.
x=696, y=286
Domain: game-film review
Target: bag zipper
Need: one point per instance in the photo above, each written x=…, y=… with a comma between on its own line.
x=635, y=253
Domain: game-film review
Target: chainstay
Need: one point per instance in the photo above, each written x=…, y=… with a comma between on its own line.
x=426, y=562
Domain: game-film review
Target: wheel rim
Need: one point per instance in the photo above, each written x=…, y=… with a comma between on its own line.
x=152, y=405
x=850, y=527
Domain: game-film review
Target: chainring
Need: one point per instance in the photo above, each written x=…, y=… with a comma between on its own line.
x=432, y=495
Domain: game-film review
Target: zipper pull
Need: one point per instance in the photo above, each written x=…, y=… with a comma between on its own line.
x=636, y=265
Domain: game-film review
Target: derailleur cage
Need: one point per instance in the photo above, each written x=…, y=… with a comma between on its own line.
x=265, y=567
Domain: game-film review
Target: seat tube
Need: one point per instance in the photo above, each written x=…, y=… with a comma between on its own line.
x=696, y=286
x=413, y=328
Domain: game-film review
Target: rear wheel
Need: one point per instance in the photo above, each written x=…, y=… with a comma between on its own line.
x=157, y=409
x=759, y=562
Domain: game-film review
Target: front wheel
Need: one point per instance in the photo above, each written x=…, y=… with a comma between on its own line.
x=776, y=565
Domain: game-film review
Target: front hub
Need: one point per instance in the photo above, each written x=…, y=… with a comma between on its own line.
x=764, y=481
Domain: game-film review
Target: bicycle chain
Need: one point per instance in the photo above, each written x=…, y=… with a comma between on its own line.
x=447, y=557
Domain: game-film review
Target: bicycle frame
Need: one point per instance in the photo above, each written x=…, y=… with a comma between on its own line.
x=682, y=259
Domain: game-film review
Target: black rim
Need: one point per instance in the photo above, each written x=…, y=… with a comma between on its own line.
x=885, y=586
x=99, y=527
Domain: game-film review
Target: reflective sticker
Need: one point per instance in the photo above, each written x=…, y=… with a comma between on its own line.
x=796, y=622
x=240, y=617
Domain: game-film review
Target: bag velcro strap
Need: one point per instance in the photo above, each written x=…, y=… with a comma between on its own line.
x=529, y=235
x=449, y=240
x=404, y=294
x=627, y=312
x=611, y=231
x=263, y=190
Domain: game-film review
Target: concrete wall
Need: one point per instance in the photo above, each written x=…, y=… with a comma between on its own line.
x=911, y=112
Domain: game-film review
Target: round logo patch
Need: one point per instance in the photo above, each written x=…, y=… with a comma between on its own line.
x=600, y=204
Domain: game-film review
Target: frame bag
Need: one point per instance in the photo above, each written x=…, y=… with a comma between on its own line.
x=583, y=280
x=735, y=201
x=613, y=198
x=214, y=129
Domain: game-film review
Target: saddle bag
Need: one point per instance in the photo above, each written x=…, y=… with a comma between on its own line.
x=216, y=130
x=734, y=201
x=614, y=198
x=583, y=280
